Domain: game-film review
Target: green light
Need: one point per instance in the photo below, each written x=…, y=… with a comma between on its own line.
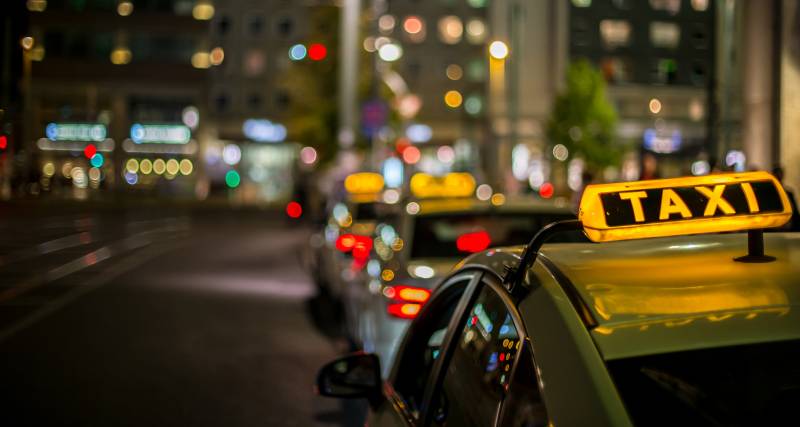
x=473, y=105
x=232, y=179
x=97, y=160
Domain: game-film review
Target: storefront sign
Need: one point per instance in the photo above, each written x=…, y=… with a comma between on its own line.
x=85, y=132
x=262, y=130
x=160, y=134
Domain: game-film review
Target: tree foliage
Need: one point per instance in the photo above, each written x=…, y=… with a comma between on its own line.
x=312, y=85
x=583, y=119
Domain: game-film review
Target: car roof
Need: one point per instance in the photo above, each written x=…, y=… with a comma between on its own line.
x=511, y=204
x=671, y=294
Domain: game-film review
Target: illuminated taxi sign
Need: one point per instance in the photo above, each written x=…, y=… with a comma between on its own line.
x=364, y=183
x=457, y=184
x=160, y=134
x=671, y=207
x=83, y=132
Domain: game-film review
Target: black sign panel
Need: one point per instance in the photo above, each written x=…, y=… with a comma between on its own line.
x=620, y=212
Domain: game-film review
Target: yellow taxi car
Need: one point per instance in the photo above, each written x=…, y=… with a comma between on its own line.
x=659, y=321
x=342, y=248
x=414, y=249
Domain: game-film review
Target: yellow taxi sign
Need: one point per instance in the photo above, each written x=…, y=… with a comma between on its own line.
x=364, y=183
x=456, y=184
x=679, y=206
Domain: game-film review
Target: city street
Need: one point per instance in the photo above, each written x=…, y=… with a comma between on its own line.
x=157, y=318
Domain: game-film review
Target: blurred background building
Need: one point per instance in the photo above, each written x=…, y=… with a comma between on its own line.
x=238, y=98
x=114, y=94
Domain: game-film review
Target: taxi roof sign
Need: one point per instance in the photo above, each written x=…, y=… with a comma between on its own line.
x=455, y=184
x=364, y=183
x=680, y=206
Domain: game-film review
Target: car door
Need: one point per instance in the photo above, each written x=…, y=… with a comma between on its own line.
x=420, y=351
x=488, y=375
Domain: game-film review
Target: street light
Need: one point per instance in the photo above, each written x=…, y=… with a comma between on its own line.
x=498, y=50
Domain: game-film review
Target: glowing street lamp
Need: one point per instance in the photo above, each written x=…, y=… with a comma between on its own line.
x=498, y=50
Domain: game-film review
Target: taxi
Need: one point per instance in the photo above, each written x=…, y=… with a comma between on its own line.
x=443, y=223
x=343, y=246
x=681, y=311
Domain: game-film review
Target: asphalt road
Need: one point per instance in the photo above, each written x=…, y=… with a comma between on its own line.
x=158, y=317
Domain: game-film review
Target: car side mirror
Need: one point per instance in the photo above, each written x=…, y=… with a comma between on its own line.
x=356, y=375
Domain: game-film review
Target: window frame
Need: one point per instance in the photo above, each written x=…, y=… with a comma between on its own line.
x=474, y=277
x=436, y=380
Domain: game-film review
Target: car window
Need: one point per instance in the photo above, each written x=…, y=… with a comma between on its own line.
x=478, y=373
x=456, y=235
x=424, y=345
x=524, y=406
x=747, y=385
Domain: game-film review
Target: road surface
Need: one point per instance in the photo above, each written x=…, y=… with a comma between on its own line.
x=157, y=317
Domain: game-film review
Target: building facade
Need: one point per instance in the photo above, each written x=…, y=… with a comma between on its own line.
x=115, y=95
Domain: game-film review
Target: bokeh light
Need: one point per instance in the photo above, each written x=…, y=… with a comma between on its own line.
x=546, y=190
x=498, y=50
x=232, y=179
x=294, y=210
x=483, y=192
x=453, y=98
x=297, y=52
x=411, y=155
x=308, y=155
x=317, y=52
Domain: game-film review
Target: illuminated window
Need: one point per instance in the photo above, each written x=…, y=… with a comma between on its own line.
x=615, y=32
x=670, y=6
x=476, y=31
x=254, y=62
x=617, y=70
x=450, y=29
x=700, y=5
x=665, y=71
x=665, y=34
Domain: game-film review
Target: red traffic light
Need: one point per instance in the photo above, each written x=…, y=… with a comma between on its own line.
x=90, y=151
x=317, y=52
x=3, y=142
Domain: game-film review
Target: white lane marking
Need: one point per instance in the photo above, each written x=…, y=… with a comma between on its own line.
x=104, y=253
x=116, y=270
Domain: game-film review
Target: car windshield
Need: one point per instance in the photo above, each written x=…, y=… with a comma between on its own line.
x=366, y=211
x=456, y=235
x=732, y=386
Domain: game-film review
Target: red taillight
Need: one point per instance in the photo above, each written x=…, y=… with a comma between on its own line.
x=345, y=242
x=362, y=247
x=404, y=310
x=406, y=301
x=473, y=242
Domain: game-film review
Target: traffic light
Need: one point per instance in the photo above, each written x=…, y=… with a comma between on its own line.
x=3, y=142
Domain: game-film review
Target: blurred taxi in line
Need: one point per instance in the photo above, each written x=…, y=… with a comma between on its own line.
x=413, y=251
x=343, y=246
x=661, y=322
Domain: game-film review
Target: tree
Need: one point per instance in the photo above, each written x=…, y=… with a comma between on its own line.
x=583, y=119
x=312, y=85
